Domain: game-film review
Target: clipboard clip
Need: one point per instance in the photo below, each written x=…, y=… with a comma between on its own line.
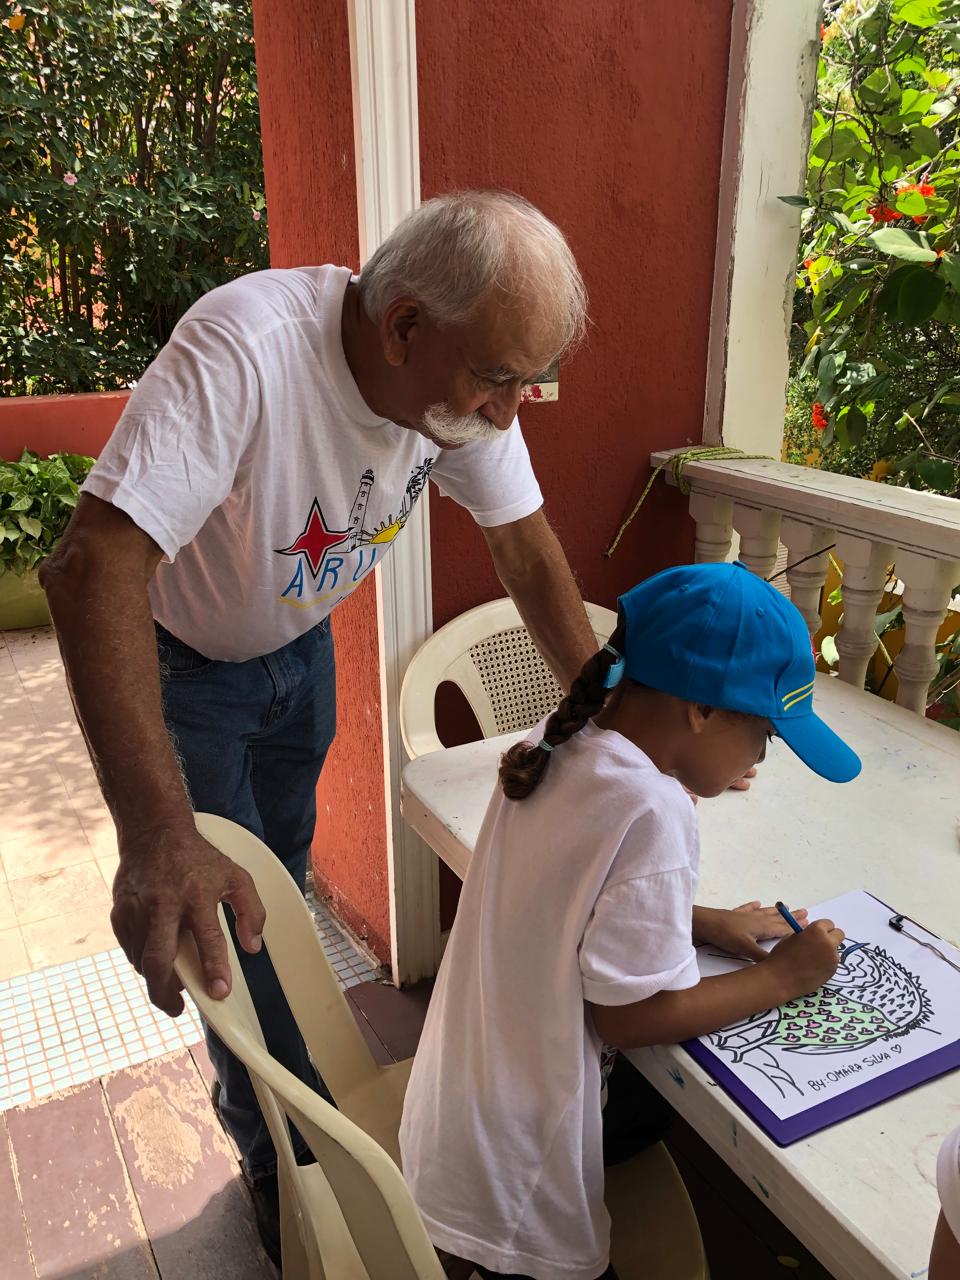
x=896, y=922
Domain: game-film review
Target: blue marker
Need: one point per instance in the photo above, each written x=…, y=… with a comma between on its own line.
x=797, y=928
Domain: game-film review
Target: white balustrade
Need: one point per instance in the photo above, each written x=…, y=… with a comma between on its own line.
x=870, y=527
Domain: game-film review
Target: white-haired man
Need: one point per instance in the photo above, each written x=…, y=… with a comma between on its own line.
x=263, y=466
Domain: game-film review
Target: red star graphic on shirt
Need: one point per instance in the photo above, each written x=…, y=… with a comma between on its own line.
x=316, y=539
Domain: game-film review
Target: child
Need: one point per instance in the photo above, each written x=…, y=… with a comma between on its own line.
x=576, y=924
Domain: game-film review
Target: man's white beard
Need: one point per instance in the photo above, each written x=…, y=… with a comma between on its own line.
x=447, y=428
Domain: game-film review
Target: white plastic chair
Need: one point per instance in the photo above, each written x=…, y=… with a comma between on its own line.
x=487, y=652
x=350, y=1216
x=369, y=1094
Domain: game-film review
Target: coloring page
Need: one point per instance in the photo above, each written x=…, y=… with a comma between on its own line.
x=891, y=1004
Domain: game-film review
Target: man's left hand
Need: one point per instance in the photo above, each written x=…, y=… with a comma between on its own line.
x=741, y=930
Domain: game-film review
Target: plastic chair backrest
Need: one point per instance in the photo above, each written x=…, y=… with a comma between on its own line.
x=349, y=1217
x=329, y=1029
x=487, y=652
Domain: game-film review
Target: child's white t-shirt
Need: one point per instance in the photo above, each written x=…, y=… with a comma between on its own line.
x=249, y=456
x=582, y=892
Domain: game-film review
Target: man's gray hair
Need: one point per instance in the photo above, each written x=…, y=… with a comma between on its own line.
x=452, y=250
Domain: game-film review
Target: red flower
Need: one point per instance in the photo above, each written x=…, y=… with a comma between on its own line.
x=925, y=189
x=919, y=218
x=823, y=31
x=808, y=263
x=819, y=418
x=883, y=213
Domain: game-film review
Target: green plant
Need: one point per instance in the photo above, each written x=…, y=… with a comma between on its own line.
x=130, y=181
x=37, y=498
x=879, y=275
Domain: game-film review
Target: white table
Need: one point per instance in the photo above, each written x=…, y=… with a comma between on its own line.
x=861, y=1195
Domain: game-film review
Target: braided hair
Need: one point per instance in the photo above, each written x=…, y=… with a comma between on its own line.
x=522, y=767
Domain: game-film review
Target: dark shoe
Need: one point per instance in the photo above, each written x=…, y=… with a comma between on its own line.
x=265, y=1195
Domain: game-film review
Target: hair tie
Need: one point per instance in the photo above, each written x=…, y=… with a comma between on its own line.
x=544, y=745
x=615, y=670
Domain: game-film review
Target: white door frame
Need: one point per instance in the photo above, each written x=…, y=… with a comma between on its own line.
x=383, y=61
x=770, y=92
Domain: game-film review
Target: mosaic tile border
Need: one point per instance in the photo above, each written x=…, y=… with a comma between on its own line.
x=75, y=1022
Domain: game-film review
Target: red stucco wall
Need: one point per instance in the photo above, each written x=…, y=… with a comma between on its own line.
x=58, y=424
x=609, y=117
x=303, y=66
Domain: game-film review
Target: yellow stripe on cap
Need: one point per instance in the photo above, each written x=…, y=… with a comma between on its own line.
x=800, y=698
x=793, y=692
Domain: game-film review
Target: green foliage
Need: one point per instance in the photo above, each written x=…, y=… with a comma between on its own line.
x=130, y=181
x=878, y=282
x=37, y=497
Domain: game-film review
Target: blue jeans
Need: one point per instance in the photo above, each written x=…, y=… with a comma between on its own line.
x=252, y=737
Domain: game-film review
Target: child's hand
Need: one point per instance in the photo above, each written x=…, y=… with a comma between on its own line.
x=741, y=930
x=805, y=961
x=743, y=784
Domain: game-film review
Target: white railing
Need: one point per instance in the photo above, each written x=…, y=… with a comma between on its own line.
x=871, y=526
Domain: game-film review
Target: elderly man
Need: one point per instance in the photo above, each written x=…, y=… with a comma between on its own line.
x=264, y=465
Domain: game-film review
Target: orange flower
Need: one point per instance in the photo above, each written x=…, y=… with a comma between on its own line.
x=819, y=418
x=15, y=23
x=925, y=189
x=808, y=263
x=883, y=213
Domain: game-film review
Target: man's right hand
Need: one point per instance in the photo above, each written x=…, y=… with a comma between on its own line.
x=170, y=880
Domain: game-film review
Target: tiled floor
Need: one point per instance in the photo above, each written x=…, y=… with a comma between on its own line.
x=58, y=851
x=71, y=1007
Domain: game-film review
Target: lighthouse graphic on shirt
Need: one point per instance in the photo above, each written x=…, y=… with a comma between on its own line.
x=331, y=561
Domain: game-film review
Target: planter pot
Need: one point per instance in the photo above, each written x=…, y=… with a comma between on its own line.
x=22, y=602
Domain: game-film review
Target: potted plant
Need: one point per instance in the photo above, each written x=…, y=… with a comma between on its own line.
x=37, y=497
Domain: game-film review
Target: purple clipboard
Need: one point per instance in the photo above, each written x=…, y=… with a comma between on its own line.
x=824, y=1114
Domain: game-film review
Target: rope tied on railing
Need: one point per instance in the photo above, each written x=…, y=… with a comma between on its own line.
x=677, y=464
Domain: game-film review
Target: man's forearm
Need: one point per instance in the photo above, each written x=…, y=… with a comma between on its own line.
x=536, y=574
x=105, y=629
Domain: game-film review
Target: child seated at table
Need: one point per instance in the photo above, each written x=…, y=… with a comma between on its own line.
x=576, y=925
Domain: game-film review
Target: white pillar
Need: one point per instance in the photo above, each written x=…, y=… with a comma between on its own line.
x=383, y=56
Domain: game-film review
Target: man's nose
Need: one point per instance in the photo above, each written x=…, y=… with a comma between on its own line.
x=502, y=409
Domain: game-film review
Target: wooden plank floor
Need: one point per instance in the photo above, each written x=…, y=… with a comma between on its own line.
x=131, y=1177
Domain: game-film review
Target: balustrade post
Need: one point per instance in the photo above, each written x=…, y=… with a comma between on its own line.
x=866, y=566
x=714, y=521
x=759, y=531
x=927, y=586
x=806, y=580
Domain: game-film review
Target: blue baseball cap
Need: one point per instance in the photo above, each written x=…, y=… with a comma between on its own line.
x=718, y=635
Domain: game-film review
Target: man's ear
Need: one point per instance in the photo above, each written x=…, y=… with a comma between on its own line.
x=399, y=327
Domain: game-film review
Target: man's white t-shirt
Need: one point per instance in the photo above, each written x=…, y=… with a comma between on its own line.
x=248, y=454
x=581, y=892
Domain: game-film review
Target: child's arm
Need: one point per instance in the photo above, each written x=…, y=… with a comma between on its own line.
x=796, y=966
